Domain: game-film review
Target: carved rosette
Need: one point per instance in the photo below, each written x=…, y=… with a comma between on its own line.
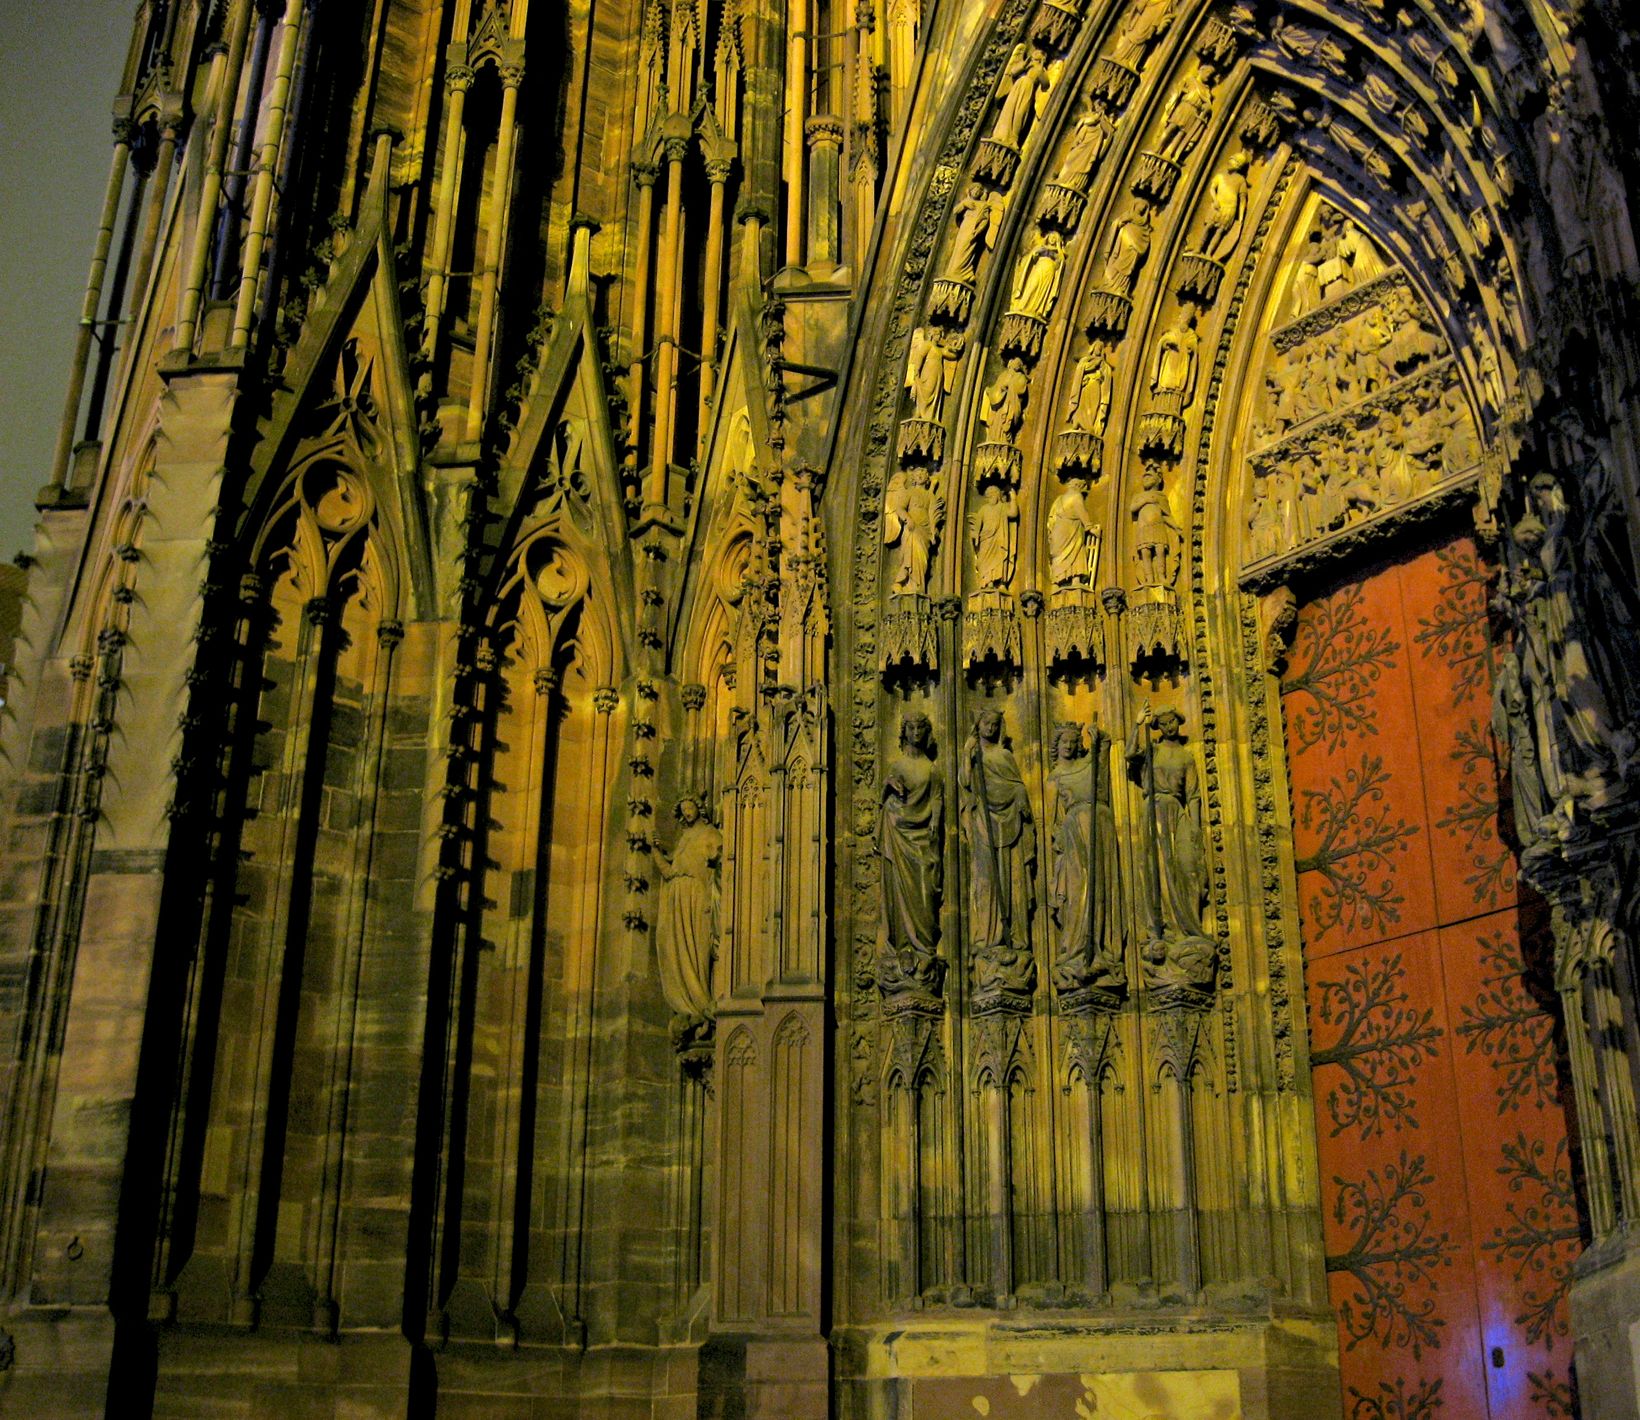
x=996, y=163
x=1108, y=313
x=910, y=634
x=1199, y=278
x=1055, y=24
x=1113, y=82
x=1154, y=178
x=998, y=463
x=1161, y=433
x=951, y=301
x=1075, y=630
x=1154, y=629
x=1076, y=453
x=1062, y=207
x=1021, y=335
x=921, y=441
x=990, y=631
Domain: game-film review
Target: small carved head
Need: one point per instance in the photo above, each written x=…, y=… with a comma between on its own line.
x=988, y=724
x=688, y=810
x=916, y=732
x=1169, y=722
x=1067, y=740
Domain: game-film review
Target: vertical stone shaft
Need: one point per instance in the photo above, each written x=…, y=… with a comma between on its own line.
x=797, y=96
x=438, y=261
x=60, y=464
x=267, y=164
x=495, y=246
x=712, y=301
x=224, y=85
x=644, y=174
x=666, y=310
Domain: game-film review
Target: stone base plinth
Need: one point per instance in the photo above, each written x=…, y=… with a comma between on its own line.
x=1037, y=1363
x=1605, y=1305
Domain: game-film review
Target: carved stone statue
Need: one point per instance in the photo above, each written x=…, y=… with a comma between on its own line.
x=1129, y=246
x=1089, y=141
x=976, y=218
x=1177, y=363
x=1086, y=893
x=686, y=934
x=1513, y=727
x=1003, y=404
x=1185, y=118
x=1157, y=540
x=1037, y=278
x=1226, y=208
x=1173, y=872
x=993, y=533
x=912, y=514
x=1074, y=537
x=911, y=843
x=1001, y=838
x=931, y=370
x=1146, y=22
x=1090, y=397
x=1024, y=89
x=1358, y=252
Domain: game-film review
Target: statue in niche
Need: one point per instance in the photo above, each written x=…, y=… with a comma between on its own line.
x=1090, y=140
x=1129, y=246
x=1090, y=398
x=977, y=216
x=687, y=932
x=1074, y=538
x=1001, y=838
x=911, y=843
x=1567, y=162
x=1226, y=208
x=1024, y=90
x=931, y=370
x=912, y=514
x=1146, y=22
x=1581, y=741
x=1002, y=406
x=1185, y=118
x=1037, y=278
x=1157, y=540
x=1177, y=361
x=1085, y=898
x=1513, y=726
x=993, y=533
x=1174, y=859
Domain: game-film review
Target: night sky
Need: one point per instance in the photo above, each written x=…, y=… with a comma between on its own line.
x=60, y=63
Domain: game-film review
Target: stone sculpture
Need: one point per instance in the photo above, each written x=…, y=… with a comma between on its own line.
x=911, y=843
x=1074, y=537
x=993, y=533
x=912, y=513
x=1001, y=836
x=686, y=933
x=1085, y=898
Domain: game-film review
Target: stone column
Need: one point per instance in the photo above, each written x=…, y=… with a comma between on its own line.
x=825, y=138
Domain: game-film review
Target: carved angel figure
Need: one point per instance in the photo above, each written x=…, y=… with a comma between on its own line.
x=993, y=533
x=686, y=934
x=1003, y=404
x=912, y=514
x=931, y=370
x=1090, y=398
x=1129, y=246
x=977, y=216
x=1074, y=537
x=1037, y=278
x=911, y=842
x=1024, y=90
x=1086, y=890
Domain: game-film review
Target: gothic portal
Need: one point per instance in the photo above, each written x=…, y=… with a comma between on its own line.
x=891, y=710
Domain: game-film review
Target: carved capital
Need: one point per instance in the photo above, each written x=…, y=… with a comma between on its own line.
x=824, y=128
x=605, y=698
x=389, y=634
x=125, y=131
x=694, y=697
x=458, y=78
x=546, y=680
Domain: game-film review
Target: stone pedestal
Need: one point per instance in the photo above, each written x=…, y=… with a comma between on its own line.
x=1605, y=1305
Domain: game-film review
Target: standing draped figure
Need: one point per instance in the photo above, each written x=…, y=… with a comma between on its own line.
x=1001, y=838
x=911, y=842
x=1085, y=896
x=686, y=939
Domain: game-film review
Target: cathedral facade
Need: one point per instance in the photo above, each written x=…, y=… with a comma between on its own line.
x=892, y=710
